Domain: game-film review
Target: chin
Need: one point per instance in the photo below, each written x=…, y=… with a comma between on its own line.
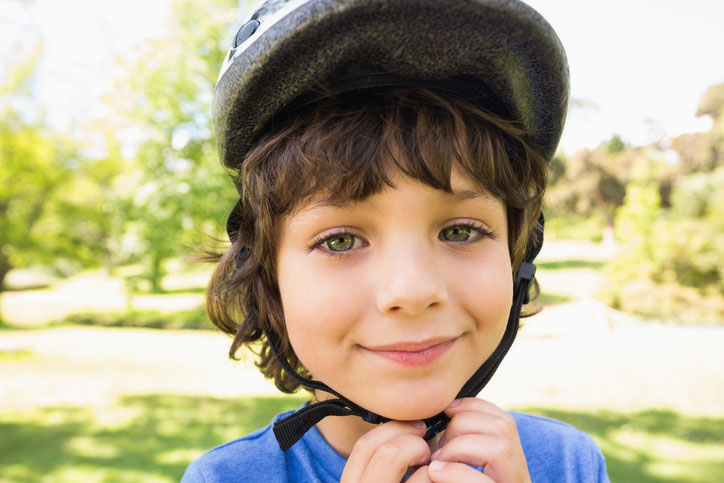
x=413, y=407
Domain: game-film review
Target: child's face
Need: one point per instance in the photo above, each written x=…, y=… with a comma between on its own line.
x=395, y=301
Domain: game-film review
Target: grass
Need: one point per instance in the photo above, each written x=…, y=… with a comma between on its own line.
x=15, y=355
x=656, y=445
x=154, y=437
x=150, y=438
x=550, y=298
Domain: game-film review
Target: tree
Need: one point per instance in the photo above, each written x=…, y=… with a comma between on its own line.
x=592, y=182
x=31, y=172
x=27, y=171
x=181, y=190
x=704, y=151
x=51, y=205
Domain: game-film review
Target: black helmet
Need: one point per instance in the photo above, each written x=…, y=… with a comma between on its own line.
x=500, y=53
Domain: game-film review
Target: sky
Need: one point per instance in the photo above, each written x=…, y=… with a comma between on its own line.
x=639, y=66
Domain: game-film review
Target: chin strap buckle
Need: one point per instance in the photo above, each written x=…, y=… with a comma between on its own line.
x=435, y=425
x=371, y=417
x=526, y=272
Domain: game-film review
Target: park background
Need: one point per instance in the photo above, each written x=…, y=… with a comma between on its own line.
x=109, y=184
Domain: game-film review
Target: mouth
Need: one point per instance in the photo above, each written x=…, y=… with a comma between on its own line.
x=414, y=353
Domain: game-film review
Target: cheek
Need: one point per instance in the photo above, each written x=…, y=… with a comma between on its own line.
x=320, y=311
x=485, y=289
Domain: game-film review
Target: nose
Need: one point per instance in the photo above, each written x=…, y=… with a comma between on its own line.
x=409, y=281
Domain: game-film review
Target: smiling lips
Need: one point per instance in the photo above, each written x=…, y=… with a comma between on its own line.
x=414, y=353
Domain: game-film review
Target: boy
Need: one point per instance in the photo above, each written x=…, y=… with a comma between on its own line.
x=391, y=161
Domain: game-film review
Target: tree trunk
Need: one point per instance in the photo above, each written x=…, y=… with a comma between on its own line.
x=4, y=270
x=156, y=274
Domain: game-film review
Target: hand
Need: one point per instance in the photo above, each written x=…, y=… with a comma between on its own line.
x=479, y=434
x=385, y=454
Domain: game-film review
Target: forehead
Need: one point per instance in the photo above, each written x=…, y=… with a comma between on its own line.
x=462, y=188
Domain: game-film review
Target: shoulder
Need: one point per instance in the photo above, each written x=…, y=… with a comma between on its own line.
x=255, y=455
x=256, y=458
x=556, y=451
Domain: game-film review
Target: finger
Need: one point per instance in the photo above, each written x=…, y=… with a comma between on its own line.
x=474, y=449
x=496, y=423
x=419, y=476
x=365, y=446
x=474, y=404
x=451, y=472
x=502, y=458
x=391, y=460
x=482, y=434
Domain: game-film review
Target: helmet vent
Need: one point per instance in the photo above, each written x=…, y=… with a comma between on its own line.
x=246, y=31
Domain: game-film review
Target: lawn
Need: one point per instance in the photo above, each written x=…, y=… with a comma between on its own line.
x=153, y=438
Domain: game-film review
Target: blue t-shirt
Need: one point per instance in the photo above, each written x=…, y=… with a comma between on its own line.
x=554, y=451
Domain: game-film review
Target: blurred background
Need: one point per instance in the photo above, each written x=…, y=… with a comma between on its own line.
x=109, y=184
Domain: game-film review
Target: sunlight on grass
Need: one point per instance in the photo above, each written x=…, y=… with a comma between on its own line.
x=653, y=445
x=160, y=434
x=549, y=298
x=155, y=441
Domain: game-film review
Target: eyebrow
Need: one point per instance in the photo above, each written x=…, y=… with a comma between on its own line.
x=463, y=195
x=455, y=196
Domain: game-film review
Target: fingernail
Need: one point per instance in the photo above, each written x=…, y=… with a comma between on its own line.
x=419, y=424
x=437, y=465
x=435, y=455
x=454, y=403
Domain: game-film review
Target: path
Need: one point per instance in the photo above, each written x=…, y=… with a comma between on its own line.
x=575, y=355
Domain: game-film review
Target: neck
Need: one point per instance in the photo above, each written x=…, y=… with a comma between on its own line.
x=341, y=432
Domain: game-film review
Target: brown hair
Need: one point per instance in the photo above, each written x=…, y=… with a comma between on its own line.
x=341, y=146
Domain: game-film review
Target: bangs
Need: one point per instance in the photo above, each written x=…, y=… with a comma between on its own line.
x=344, y=148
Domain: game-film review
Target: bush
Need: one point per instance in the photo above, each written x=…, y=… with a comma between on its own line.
x=673, y=264
x=667, y=302
x=151, y=319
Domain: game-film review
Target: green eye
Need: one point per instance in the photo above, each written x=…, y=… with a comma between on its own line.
x=340, y=243
x=458, y=233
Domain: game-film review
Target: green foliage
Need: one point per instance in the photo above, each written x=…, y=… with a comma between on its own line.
x=591, y=183
x=615, y=145
x=684, y=244
x=150, y=319
x=712, y=104
x=570, y=264
x=49, y=212
x=666, y=208
x=180, y=190
x=673, y=266
x=694, y=237
x=705, y=151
